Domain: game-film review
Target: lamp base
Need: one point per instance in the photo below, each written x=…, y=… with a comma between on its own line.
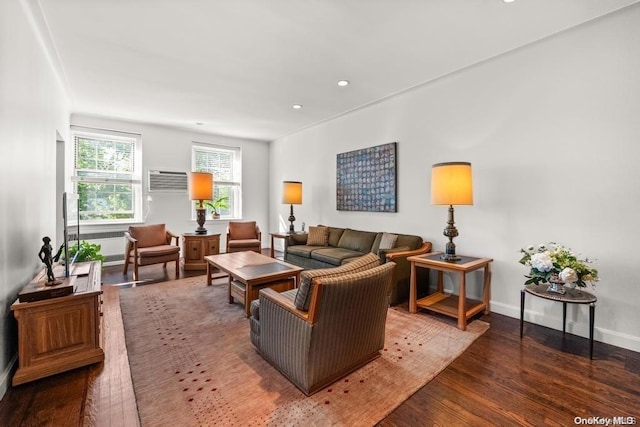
x=201, y=218
x=291, y=220
x=450, y=257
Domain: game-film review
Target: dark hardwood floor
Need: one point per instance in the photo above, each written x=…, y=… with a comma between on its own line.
x=501, y=380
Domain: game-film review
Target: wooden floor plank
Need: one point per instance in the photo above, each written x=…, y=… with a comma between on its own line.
x=544, y=379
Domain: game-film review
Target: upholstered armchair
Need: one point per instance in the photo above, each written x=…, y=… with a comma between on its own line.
x=150, y=244
x=343, y=329
x=243, y=236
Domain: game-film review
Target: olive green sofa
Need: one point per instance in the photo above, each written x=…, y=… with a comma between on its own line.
x=343, y=245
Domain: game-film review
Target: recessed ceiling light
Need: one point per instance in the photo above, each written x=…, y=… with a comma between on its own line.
x=508, y=1
x=199, y=123
x=297, y=106
x=343, y=82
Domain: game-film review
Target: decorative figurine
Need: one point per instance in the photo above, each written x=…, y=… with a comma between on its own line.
x=48, y=259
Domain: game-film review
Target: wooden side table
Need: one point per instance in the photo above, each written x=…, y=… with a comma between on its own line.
x=197, y=246
x=571, y=296
x=461, y=308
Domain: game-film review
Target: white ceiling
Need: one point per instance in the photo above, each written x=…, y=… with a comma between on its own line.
x=238, y=66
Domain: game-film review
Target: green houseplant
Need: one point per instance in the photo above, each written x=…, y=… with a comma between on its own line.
x=217, y=205
x=86, y=252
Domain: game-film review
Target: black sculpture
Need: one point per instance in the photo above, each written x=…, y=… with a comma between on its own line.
x=48, y=259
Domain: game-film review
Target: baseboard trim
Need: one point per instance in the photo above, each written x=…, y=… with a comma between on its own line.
x=5, y=379
x=581, y=328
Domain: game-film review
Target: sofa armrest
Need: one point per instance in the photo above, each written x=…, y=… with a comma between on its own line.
x=297, y=239
x=401, y=280
x=394, y=256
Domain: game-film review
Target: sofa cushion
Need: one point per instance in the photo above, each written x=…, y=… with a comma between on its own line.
x=149, y=235
x=303, y=295
x=360, y=241
x=334, y=256
x=243, y=230
x=301, y=250
x=318, y=236
x=161, y=250
x=387, y=241
x=335, y=234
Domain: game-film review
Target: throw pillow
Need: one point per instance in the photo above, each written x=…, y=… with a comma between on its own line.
x=318, y=236
x=388, y=241
x=303, y=296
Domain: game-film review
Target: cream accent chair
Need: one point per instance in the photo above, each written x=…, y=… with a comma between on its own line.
x=150, y=244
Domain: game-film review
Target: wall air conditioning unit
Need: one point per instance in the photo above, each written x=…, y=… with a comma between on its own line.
x=168, y=182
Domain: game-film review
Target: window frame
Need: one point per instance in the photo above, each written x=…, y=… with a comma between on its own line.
x=235, y=184
x=134, y=179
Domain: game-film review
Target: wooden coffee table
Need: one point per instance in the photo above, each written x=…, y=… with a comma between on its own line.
x=249, y=272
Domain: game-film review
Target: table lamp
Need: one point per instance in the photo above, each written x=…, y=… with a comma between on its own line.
x=200, y=189
x=292, y=194
x=451, y=184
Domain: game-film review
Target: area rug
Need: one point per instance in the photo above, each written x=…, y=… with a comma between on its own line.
x=192, y=363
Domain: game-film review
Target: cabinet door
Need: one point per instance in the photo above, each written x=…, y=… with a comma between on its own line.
x=213, y=245
x=194, y=250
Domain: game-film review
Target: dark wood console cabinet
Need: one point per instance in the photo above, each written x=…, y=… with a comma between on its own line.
x=63, y=333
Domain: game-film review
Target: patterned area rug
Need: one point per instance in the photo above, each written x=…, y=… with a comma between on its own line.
x=193, y=365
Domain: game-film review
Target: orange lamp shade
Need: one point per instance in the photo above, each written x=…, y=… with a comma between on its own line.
x=451, y=184
x=201, y=186
x=292, y=192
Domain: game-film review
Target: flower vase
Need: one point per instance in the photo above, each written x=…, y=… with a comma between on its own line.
x=556, y=286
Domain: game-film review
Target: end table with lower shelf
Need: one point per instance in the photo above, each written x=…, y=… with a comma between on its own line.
x=571, y=296
x=456, y=306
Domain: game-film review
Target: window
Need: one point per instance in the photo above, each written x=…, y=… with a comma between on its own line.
x=225, y=165
x=107, y=175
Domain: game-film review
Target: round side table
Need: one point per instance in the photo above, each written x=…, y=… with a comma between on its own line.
x=571, y=296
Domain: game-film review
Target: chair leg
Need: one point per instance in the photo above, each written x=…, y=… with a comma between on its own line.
x=126, y=265
x=178, y=268
x=135, y=270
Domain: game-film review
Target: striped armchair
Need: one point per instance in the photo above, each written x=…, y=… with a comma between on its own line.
x=343, y=329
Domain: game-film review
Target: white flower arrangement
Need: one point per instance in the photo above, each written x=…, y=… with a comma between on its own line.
x=553, y=262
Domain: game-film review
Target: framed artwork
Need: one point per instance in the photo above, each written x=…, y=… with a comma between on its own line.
x=366, y=179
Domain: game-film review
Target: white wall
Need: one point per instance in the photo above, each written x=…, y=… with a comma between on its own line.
x=169, y=149
x=552, y=131
x=33, y=107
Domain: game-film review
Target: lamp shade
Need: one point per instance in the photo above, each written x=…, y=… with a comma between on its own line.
x=201, y=186
x=292, y=192
x=451, y=184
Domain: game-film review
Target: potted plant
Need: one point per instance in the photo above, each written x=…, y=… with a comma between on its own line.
x=217, y=205
x=86, y=252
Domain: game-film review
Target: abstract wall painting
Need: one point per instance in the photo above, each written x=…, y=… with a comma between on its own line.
x=366, y=179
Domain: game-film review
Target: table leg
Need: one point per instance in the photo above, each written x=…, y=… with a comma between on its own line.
x=229, y=290
x=486, y=291
x=413, y=293
x=564, y=317
x=522, y=294
x=209, y=273
x=271, y=252
x=462, y=313
x=592, y=315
